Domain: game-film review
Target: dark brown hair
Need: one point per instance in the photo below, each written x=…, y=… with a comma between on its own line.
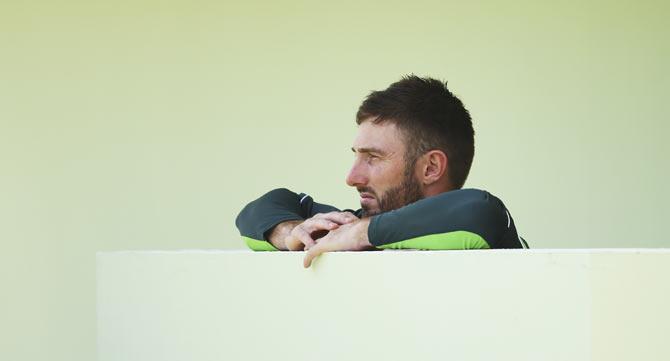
x=431, y=118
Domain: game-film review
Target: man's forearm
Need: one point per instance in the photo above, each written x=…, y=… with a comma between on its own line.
x=280, y=232
x=259, y=220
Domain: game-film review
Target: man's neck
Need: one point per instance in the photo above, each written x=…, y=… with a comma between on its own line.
x=435, y=189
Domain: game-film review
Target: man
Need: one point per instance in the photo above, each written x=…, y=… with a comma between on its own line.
x=413, y=152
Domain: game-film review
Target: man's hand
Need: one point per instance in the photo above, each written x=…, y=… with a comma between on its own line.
x=296, y=235
x=349, y=237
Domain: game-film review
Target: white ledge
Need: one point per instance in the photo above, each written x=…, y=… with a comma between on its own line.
x=495, y=251
x=538, y=304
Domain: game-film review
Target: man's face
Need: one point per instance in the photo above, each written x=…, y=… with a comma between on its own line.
x=380, y=172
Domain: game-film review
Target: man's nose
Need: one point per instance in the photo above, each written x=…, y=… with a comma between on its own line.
x=356, y=176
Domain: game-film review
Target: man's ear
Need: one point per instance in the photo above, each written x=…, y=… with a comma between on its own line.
x=435, y=166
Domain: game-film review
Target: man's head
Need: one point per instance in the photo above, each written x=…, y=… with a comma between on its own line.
x=415, y=140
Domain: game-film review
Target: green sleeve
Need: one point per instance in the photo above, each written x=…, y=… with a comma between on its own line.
x=258, y=218
x=459, y=219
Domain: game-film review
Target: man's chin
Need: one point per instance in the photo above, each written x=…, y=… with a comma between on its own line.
x=369, y=212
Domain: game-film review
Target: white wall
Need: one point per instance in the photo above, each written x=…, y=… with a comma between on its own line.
x=391, y=305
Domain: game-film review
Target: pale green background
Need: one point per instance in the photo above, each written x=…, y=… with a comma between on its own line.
x=148, y=125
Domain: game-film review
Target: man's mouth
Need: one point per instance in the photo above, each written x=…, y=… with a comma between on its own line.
x=365, y=195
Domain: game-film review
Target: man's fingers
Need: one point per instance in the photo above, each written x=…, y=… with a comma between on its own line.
x=316, y=224
x=293, y=244
x=312, y=253
x=304, y=231
x=337, y=217
x=315, y=251
x=302, y=235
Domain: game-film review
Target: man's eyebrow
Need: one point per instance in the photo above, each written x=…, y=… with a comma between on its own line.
x=368, y=150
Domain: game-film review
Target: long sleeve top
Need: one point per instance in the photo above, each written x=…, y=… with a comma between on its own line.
x=458, y=219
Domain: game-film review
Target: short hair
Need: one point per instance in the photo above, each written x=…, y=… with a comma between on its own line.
x=431, y=118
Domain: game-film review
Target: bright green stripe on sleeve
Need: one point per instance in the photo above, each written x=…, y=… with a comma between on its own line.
x=257, y=245
x=449, y=240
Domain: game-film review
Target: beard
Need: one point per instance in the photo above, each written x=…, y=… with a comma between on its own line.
x=407, y=192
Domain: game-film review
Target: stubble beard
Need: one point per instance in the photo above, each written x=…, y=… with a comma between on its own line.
x=407, y=192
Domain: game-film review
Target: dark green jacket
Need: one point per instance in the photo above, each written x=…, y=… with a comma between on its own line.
x=459, y=219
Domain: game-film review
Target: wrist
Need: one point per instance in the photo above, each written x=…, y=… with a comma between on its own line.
x=280, y=232
x=363, y=240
